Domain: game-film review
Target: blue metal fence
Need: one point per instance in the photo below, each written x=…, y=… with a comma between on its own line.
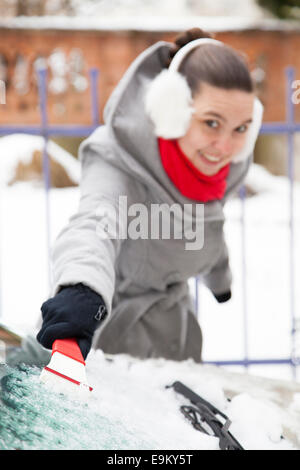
x=46, y=131
x=289, y=127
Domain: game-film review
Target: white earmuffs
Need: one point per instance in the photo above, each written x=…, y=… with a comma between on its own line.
x=169, y=102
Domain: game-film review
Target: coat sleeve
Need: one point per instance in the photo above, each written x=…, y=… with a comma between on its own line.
x=85, y=251
x=219, y=278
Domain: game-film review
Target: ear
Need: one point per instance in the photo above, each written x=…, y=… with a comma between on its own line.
x=252, y=133
x=168, y=103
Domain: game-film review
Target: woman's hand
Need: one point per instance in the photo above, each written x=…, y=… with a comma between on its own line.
x=221, y=298
x=75, y=312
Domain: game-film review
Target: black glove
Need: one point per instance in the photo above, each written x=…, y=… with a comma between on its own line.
x=223, y=297
x=75, y=312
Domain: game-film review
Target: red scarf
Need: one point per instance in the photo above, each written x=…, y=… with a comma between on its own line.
x=191, y=182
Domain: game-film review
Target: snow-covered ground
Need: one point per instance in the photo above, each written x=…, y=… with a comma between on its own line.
x=121, y=389
x=150, y=15
x=167, y=8
x=268, y=277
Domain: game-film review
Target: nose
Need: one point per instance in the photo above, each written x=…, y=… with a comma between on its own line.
x=224, y=145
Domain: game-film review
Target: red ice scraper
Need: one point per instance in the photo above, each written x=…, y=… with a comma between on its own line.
x=66, y=365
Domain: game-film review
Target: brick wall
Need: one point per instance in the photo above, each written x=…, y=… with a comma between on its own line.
x=112, y=53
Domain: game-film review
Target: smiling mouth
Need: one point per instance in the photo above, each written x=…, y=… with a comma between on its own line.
x=209, y=158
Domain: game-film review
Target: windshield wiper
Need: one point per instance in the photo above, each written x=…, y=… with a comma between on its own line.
x=204, y=417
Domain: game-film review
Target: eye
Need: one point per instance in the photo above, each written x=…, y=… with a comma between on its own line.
x=212, y=123
x=242, y=129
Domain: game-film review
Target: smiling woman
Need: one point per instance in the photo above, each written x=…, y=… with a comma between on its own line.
x=179, y=129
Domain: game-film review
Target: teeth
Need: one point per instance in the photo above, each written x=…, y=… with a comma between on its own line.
x=211, y=158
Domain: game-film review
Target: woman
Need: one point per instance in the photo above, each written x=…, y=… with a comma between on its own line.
x=180, y=135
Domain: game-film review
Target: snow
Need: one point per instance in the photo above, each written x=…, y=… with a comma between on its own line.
x=129, y=395
x=19, y=147
x=268, y=272
x=131, y=408
x=262, y=419
x=169, y=8
x=155, y=23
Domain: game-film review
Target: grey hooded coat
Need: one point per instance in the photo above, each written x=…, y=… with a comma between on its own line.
x=143, y=281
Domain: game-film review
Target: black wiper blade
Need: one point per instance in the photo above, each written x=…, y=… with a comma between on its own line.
x=203, y=416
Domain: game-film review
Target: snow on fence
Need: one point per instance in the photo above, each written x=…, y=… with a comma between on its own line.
x=289, y=127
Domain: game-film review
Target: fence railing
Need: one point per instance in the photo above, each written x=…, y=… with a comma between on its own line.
x=289, y=127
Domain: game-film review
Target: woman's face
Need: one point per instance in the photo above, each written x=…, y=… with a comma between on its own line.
x=218, y=127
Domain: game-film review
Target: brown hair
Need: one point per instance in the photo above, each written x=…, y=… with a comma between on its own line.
x=222, y=67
